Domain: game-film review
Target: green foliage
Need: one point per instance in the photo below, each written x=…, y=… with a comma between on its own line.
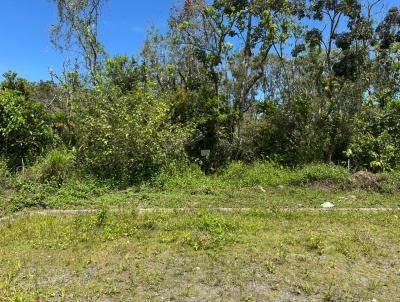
x=121, y=72
x=24, y=128
x=322, y=173
x=17, y=84
x=212, y=118
x=334, y=100
x=376, y=144
x=127, y=137
x=274, y=123
x=58, y=166
x=189, y=178
x=390, y=181
x=180, y=176
x=263, y=173
x=184, y=185
x=29, y=195
x=101, y=217
x=288, y=133
x=269, y=174
x=29, y=191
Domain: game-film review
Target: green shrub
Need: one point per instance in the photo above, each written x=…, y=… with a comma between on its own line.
x=375, y=145
x=29, y=192
x=126, y=137
x=29, y=200
x=240, y=174
x=25, y=131
x=36, y=184
x=392, y=183
x=81, y=188
x=75, y=189
x=57, y=166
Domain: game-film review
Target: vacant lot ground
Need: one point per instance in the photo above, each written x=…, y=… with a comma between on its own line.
x=280, y=248
x=202, y=256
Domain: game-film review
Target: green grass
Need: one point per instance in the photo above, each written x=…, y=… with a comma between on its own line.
x=202, y=256
x=92, y=196
x=261, y=186
x=240, y=175
x=264, y=254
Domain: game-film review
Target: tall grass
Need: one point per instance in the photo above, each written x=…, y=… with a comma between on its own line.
x=55, y=182
x=57, y=166
x=241, y=175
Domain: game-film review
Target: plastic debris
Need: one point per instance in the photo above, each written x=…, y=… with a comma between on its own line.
x=327, y=205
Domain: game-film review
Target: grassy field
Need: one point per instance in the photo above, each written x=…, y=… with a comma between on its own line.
x=202, y=256
x=276, y=250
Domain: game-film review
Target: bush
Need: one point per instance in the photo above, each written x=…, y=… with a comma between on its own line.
x=53, y=169
x=375, y=145
x=24, y=128
x=239, y=174
x=126, y=137
x=392, y=183
x=56, y=167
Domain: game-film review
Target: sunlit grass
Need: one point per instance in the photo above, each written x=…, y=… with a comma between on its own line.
x=252, y=256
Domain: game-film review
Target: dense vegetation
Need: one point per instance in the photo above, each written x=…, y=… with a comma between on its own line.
x=286, y=82
x=249, y=153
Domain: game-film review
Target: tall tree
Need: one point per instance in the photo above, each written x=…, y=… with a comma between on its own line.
x=77, y=29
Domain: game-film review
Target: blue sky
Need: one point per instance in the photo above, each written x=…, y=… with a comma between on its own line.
x=24, y=31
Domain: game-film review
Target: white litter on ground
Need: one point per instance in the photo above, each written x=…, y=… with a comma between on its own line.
x=327, y=205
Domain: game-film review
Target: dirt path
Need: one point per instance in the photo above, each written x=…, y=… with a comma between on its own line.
x=141, y=211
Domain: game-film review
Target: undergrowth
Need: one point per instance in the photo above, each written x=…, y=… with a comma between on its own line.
x=56, y=181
